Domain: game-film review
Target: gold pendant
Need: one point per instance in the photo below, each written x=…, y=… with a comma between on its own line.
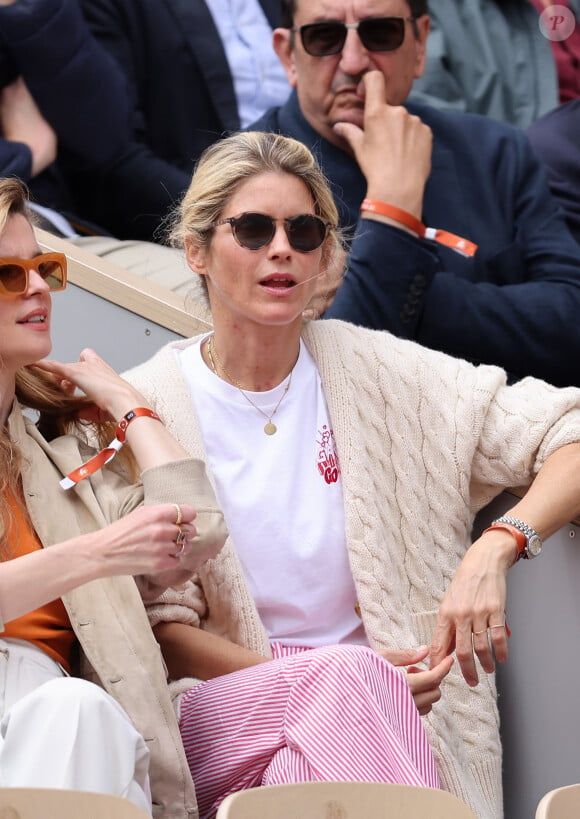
x=270, y=428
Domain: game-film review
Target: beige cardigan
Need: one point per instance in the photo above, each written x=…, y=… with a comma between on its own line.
x=119, y=649
x=424, y=442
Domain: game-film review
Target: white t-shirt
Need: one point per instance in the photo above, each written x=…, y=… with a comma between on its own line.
x=259, y=79
x=282, y=500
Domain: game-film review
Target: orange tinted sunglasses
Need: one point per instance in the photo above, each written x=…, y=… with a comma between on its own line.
x=14, y=273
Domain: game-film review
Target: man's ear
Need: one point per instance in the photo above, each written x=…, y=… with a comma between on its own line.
x=423, y=25
x=282, y=43
x=196, y=256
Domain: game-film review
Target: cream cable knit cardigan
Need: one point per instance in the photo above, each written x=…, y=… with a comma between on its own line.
x=424, y=441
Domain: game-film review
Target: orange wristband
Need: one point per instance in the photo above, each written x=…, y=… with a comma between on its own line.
x=138, y=412
x=457, y=243
x=108, y=453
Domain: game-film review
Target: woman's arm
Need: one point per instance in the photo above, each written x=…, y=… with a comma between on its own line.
x=141, y=542
x=192, y=652
x=475, y=600
x=151, y=444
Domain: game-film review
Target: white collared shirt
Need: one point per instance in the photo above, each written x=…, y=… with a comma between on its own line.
x=259, y=79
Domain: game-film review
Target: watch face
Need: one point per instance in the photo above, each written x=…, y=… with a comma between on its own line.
x=534, y=546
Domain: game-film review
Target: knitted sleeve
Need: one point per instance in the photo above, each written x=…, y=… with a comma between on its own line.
x=442, y=407
x=186, y=605
x=524, y=424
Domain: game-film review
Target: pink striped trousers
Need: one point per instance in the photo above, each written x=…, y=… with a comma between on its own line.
x=333, y=713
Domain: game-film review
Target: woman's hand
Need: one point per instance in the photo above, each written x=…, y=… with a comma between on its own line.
x=113, y=397
x=142, y=542
x=424, y=685
x=111, y=394
x=472, y=615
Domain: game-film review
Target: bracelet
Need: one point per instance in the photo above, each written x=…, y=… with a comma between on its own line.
x=398, y=214
x=138, y=412
x=457, y=243
x=108, y=453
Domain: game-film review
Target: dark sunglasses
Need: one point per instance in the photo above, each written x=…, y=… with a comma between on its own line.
x=14, y=273
x=376, y=34
x=255, y=230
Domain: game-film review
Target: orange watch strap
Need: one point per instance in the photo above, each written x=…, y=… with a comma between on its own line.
x=520, y=538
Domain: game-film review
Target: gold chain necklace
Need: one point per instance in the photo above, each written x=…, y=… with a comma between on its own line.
x=269, y=427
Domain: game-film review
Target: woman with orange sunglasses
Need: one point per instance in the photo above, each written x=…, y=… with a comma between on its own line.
x=75, y=609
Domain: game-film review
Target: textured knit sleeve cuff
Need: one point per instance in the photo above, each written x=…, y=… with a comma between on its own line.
x=186, y=481
x=185, y=606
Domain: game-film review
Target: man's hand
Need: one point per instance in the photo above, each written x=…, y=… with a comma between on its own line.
x=393, y=149
x=21, y=121
x=424, y=685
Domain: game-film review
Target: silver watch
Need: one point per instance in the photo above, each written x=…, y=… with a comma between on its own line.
x=534, y=542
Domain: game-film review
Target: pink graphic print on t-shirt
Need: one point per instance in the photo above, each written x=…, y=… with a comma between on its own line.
x=327, y=462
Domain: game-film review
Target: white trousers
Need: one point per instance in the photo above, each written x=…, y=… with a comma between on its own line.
x=63, y=732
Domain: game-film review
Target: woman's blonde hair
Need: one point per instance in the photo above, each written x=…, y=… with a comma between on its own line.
x=36, y=390
x=226, y=164
x=13, y=199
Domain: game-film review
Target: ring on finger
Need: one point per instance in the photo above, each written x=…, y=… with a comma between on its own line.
x=181, y=541
x=179, y=519
x=489, y=628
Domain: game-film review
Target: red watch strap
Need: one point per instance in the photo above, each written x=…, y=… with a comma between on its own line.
x=520, y=538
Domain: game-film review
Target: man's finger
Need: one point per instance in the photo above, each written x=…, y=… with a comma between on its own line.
x=350, y=133
x=375, y=90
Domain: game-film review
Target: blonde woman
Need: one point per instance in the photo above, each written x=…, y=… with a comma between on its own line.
x=349, y=465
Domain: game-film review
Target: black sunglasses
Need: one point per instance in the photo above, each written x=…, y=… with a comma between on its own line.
x=305, y=232
x=376, y=34
x=14, y=273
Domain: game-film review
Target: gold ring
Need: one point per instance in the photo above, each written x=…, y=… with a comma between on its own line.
x=483, y=631
x=499, y=625
x=179, y=519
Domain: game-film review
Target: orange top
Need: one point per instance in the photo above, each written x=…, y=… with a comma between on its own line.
x=48, y=627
